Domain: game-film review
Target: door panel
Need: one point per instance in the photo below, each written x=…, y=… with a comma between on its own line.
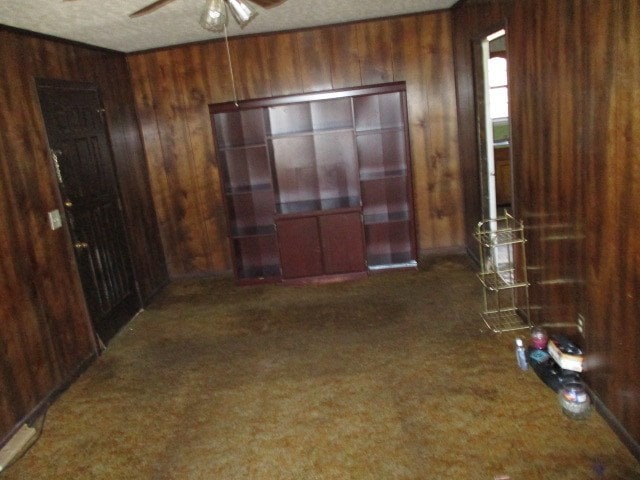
x=342, y=243
x=300, y=253
x=81, y=153
x=323, y=244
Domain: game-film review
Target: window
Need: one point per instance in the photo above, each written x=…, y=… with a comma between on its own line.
x=498, y=91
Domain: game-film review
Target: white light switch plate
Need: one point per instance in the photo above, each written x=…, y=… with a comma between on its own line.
x=55, y=220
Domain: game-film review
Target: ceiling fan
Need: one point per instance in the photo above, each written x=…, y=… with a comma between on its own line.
x=214, y=16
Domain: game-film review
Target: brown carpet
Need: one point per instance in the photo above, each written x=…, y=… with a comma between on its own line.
x=390, y=377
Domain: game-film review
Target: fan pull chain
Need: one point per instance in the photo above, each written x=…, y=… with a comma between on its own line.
x=233, y=82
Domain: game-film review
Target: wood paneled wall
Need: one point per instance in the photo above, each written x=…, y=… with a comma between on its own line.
x=174, y=86
x=574, y=73
x=147, y=254
x=46, y=333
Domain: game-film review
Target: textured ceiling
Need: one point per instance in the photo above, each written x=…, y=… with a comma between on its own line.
x=105, y=23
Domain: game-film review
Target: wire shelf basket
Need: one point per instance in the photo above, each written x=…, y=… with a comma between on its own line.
x=503, y=274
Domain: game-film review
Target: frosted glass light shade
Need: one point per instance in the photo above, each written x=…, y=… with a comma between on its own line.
x=242, y=12
x=214, y=17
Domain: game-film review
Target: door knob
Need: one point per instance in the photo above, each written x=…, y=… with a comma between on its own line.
x=68, y=203
x=81, y=245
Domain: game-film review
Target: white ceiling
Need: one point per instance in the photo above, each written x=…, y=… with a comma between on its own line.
x=106, y=23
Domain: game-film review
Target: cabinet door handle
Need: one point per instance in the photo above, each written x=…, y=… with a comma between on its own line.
x=80, y=245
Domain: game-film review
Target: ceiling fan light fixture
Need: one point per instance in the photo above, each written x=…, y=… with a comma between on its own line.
x=242, y=12
x=214, y=16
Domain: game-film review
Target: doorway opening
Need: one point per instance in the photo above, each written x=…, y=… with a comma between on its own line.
x=494, y=136
x=78, y=138
x=494, y=126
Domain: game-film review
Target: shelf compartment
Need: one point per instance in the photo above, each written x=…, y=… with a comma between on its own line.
x=396, y=263
x=317, y=205
x=386, y=217
x=290, y=118
x=239, y=128
x=370, y=175
x=259, y=273
x=375, y=112
x=388, y=243
x=243, y=168
x=384, y=195
x=295, y=167
x=391, y=260
x=334, y=114
x=251, y=210
x=505, y=320
x=382, y=153
x=315, y=169
x=310, y=117
x=311, y=133
x=257, y=257
x=337, y=165
x=379, y=130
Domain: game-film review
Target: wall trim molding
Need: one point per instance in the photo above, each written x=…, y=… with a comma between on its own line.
x=42, y=407
x=622, y=433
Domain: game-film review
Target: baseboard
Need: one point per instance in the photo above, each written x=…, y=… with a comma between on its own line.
x=227, y=274
x=443, y=251
x=631, y=443
x=16, y=445
x=51, y=397
x=473, y=255
x=154, y=293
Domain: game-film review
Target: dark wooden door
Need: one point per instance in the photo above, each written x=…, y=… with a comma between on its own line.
x=80, y=151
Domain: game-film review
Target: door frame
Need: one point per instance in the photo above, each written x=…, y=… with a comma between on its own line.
x=124, y=312
x=484, y=130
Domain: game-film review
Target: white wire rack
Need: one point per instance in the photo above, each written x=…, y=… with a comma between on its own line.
x=503, y=274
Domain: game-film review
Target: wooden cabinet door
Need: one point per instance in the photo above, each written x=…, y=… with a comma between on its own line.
x=323, y=244
x=341, y=236
x=300, y=248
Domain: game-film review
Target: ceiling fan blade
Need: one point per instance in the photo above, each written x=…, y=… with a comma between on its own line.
x=150, y=8
x=268, y=3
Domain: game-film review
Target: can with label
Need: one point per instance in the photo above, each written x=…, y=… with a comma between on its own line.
x=574, y=401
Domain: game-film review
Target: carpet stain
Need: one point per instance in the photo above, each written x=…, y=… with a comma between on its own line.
x=389, y=377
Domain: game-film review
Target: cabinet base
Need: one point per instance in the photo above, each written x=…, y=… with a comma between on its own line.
x=393, y=266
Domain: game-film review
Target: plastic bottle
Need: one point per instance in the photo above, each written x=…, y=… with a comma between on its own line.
x=521, y=354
